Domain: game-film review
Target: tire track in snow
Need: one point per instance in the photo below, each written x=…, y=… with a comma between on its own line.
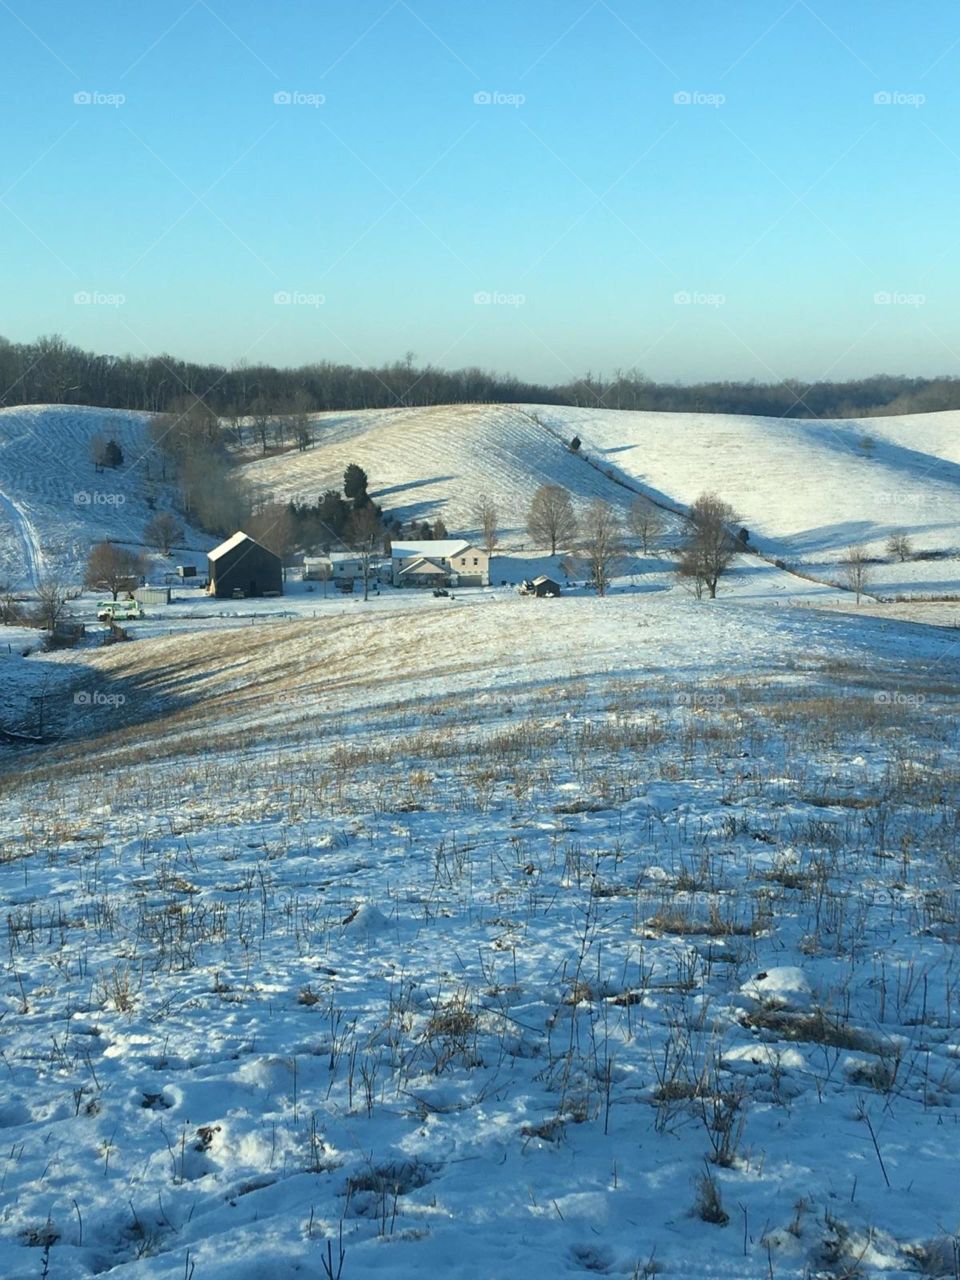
x=33, y=559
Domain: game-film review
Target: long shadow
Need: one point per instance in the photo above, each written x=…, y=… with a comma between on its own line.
x=70, y=704
x=87, y=710
x=829, y=537
x=843, y=436
x=412, y=484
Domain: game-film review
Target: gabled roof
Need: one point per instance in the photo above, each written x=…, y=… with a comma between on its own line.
x=235, y=540
x=432, y=549
x=423, y=565
x=543, y=578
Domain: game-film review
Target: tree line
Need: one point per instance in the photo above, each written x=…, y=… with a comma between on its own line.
x=53, y=371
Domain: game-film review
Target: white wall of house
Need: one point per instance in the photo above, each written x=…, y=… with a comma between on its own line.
x=466, y=566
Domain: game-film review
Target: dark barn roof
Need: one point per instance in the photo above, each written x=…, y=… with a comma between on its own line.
x=241, y=564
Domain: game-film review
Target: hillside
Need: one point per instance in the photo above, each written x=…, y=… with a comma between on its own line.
x=429, y=463
x=575, y=937
x=53, y=501
x=806, y=490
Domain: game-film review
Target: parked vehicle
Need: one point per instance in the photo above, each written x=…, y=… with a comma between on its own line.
x=119, y=610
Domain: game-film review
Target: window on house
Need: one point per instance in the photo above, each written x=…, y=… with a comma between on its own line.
x=475, y=561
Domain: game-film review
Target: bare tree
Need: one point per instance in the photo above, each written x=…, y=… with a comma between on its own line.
x=365, y=534
x=300, y=421
x=261, y=422
x=551, y=518
x=235, y=416
x=11, y=609
x=856, y=568
x=645, y=522
x=162, y=532
x=52, y=601
x=710, y=547
x=487, y=518
x=323, y=572
x=273, y=525
x=113, y=567
x=601, y=543
x=899, y=545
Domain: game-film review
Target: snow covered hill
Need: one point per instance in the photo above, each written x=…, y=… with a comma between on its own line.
x=53, y=501
x=433, y=462
x=807, y=490
x=575, y=937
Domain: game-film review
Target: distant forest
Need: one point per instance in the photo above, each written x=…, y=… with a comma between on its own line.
x=50, y=370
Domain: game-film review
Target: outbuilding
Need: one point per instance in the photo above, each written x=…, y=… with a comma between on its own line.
x=543, y=586
x=152, y=595
x=241, y=566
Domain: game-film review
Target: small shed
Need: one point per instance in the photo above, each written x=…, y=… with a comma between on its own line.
x=544, y=586
x=152, y=595
x=241, y=567
x=186, y=570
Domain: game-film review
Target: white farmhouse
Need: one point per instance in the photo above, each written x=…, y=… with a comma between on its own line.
x=439, y=562
x=339, y=566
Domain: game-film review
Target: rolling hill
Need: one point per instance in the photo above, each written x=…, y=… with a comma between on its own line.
x=426, y=463
x=806, y=490
x=53, y=501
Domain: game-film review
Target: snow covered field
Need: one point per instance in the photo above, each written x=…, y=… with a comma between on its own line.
x=426, y=463
x=807, y=490
x=538, y=937
x=54, y=502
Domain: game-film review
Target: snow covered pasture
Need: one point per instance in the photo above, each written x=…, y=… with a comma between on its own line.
x=54, y=503
x=567, y=937
x=806, y=489
x=425, y=463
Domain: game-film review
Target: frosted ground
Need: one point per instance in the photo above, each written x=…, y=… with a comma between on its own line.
x=567, y=937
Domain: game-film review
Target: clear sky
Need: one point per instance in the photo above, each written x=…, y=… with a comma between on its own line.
x=696, y=189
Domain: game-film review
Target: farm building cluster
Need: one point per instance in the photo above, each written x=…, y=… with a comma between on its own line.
x=241, y=567
x=446, y=562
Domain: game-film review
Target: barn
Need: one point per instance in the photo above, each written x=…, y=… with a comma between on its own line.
x=542, y=586
x=242, y=567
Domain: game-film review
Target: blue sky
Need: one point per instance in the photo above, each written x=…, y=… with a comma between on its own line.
x=696, y=190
